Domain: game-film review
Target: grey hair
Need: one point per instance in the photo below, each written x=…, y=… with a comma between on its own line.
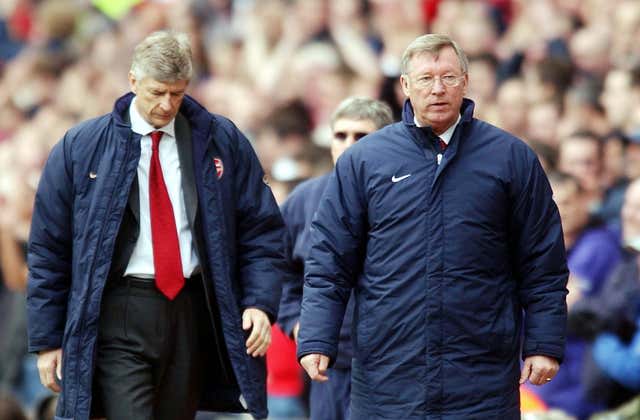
x=164, y=56
x=361, y=108
x=432, y=44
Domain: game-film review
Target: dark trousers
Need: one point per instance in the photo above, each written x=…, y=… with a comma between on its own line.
x=149, y=363
x=331, y=400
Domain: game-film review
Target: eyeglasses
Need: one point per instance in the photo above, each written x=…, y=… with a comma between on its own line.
x=448, y=80
x=342, y=135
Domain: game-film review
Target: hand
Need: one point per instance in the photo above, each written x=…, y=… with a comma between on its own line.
x=316, y=366
x=539, y=369
x=260, y=337
x=49, y=366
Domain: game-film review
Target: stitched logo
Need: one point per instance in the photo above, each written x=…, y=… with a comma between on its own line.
x=395, y=179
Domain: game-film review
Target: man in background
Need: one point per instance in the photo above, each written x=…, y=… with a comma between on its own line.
x=353, y=119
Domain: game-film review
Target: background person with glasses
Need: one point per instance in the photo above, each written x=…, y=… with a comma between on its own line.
x=353, y=119
x=445, y=228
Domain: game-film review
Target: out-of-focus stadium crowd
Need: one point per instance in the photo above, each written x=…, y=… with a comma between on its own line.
x=563, y=75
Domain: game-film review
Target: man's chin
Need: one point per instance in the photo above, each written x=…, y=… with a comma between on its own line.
x=158, y=122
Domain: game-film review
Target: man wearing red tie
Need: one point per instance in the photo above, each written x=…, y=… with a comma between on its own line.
x=155, y=256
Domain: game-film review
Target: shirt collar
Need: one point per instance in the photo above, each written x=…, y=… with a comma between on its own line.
x=446, y=136
x=140, y=126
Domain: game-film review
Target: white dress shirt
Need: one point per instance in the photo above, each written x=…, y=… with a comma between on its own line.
x=446, y=136
x=141, y=262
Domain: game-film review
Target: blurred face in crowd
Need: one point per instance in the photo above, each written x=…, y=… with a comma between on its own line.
x=581, y=158
x=157, y=102
x=346, y=132
x=613, y=160
x=632, y=160
x=435, y=85
x=512, y=106
x=616, y=97
x=573, y=207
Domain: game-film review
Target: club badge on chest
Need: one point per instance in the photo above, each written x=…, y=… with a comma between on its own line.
x=219, y=166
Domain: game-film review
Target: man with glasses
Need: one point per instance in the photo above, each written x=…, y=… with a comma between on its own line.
x=353, y=119
x=445, y=229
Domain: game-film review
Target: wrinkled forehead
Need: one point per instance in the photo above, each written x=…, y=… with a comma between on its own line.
x=152, y=83
x=445, y=58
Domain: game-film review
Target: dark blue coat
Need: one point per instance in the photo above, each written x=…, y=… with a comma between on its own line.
x=76, y=219
x=444, y=262
x=298, y=211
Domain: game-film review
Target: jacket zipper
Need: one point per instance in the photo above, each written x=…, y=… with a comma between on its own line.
x=93, y=263
x=208, y=301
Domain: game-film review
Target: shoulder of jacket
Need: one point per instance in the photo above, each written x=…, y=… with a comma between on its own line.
x=226, y=133
x=306, y=189
x=87, y=128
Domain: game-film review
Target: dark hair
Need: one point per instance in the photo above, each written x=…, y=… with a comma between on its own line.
x=559, y=178
x=290, y=119
x=545, y=151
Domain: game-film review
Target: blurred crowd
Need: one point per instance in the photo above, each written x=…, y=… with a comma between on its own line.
x=563, y=75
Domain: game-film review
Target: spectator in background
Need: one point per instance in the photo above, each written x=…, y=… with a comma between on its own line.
x=592, y=253
x=614, y=180
x=512, y=107
x=425, y=251
x=580, y=155
x=611, y=317
x=592, y=249
x=353, y=119
x=632, y=156
x=483, y=84
x=543, y=120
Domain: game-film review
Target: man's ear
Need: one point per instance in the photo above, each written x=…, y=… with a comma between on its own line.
x=466, y=84
x=404, y=82
x=132, y=82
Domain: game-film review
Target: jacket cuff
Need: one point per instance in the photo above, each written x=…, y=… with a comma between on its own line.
x=543, y=349
x=318, y=348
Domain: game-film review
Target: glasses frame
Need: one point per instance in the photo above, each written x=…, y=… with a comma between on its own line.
x=427, y=81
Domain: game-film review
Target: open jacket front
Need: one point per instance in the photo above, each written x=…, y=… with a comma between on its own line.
x=79, y=208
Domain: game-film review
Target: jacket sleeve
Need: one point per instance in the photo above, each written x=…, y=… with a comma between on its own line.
x=49, y=255
x=260, y=230
x=334, y=261
x=540, y=261
x=291, y=299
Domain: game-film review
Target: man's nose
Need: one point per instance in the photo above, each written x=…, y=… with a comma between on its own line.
x=438, y=86
x=165, y=103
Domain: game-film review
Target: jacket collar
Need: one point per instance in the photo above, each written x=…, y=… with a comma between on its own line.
x=200, y=121
x=466, y=112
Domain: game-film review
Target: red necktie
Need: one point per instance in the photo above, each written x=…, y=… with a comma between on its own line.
x=442, y=144
x=164, y=235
